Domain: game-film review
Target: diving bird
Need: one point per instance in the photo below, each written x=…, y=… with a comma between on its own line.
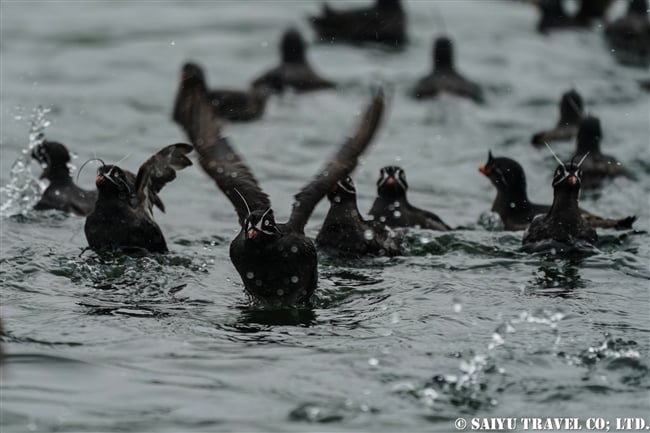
x=276, y=262
x=563, y=222
x=233, y=105
x=392, y=208
x=514, y=207
x=597, y=166
x=123, y=214
x=444, y=78
x=384, y=22
x=571, y=112
x=62, y=193
x=346, y=233
x=294, y=70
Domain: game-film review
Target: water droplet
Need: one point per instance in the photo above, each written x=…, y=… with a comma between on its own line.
x=172, y=43
x=497, y=339
x=294, y=279
x=250, y=275
x=294, y=249
x=512, y=205
x=369, y=234
x=280, y=292
x=373, y=362
x=397, y=214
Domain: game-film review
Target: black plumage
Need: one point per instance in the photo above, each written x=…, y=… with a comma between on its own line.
x=294, y=70
x=563, y=222
x=62, y=193
x=346, y=233
x=123, y=214
x=571, y=112
x=276, y=262
x=597, y=166
x=384, y=22
x=444, y=78
x=233, y=105
x=629, y=36
x=553, y=15
x=514, y=207
x=392, y=207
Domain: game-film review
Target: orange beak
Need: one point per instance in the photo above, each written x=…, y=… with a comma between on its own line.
x=252, y=233
x=100, y=180
x=390, y=181
x=572, y=180
x=483, y=169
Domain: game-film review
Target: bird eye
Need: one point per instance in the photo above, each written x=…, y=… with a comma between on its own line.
x=266, y=222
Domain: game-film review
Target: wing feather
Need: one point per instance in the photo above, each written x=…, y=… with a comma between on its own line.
x=217, y=158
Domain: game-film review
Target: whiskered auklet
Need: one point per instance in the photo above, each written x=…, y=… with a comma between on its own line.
x=233, y=105
x=563, y=222
x=444, y=78
x=345, y=232
x=123, y=214
x=384, y=22
x=597, y=167
x=514, y=207
x=276, y=262
x=392, y=208
x=62, y=193
x=294, y=71
x=571, y=111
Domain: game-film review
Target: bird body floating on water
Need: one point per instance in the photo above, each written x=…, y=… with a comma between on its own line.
x=276, y=262
x=123, y=214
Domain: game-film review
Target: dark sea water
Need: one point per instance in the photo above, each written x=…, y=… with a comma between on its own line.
x=464, y=325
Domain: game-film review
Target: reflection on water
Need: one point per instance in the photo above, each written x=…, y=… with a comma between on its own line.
x=559, y=278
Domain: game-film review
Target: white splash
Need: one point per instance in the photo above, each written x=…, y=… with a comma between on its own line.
x=24, y=188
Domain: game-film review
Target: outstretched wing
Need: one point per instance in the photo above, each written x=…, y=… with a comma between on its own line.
x=218, y=159
x=159, y=170
x=339, y=166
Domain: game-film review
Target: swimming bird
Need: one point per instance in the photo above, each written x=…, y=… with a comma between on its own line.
x=514, y=207
x=276, y=262
x=345, y=232
x=571, y=111
x=233, y=105
x=294, y=70
x=384, y=22
x=563, y=222
x=444, y=77
x=123, y=214
x=62, y=193
x=629, y=36
x=392, y=208
x=597, y=166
